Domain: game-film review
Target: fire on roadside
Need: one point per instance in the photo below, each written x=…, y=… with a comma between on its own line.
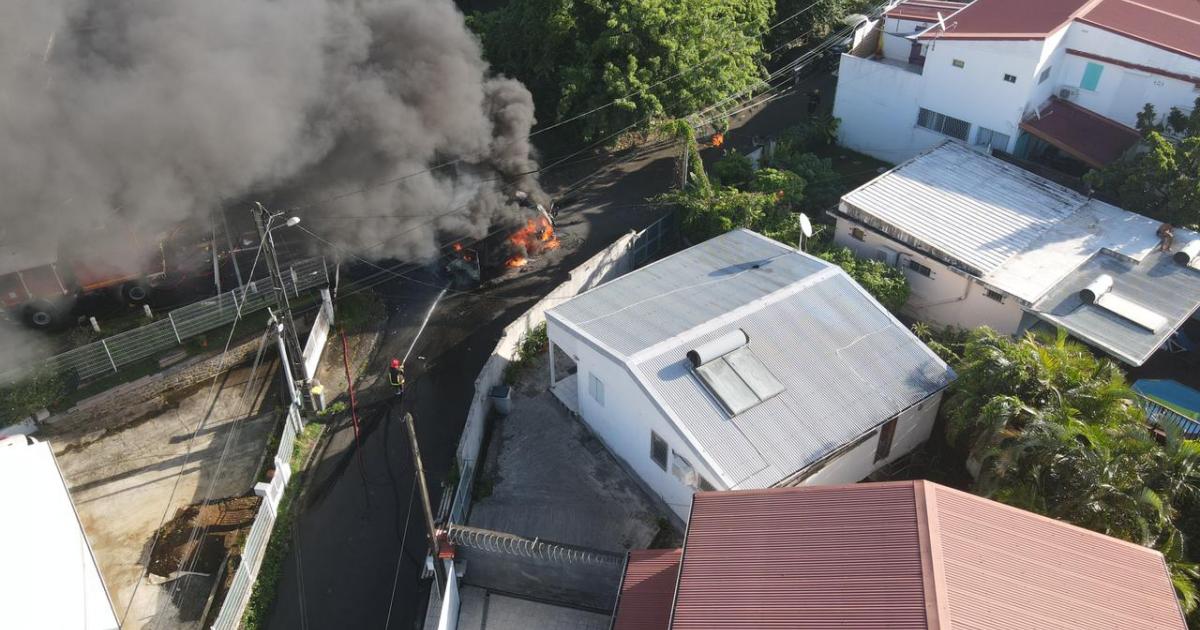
x=718, y=139
x=536, y=237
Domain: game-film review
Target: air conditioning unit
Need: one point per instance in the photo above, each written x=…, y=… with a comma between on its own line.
x=1068, y=93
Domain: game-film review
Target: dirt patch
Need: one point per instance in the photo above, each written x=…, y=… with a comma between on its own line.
x=180, y=547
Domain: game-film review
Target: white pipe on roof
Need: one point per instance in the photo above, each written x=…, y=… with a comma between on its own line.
x=1096, y=288
x=1189, y=252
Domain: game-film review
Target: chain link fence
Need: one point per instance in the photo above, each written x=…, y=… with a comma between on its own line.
x=109, y=354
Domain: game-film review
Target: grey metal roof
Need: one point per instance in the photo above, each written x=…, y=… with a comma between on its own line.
x=685, y=290
x=1157, y=283
x=846, y=364
x=961, y=205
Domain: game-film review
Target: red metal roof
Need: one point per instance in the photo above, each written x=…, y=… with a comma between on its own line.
x=812, y=557
x=647, y=590
x=923, y=10
x=899, y=555
x=1081, y=133
x=1007, y=568
x=1010, y=19
x=1170, y=24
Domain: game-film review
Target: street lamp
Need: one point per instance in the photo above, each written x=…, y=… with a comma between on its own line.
x=263, y=219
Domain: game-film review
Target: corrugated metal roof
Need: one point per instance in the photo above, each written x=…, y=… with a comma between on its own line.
x=684, y=290
x=647, y=590
x=813, y=558
x=909, y=554
x=1156, y=282
x=961, y=205
x=846, y=364
x=1006, y=568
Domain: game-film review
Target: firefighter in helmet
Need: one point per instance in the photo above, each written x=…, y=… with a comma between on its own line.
x=396, y=376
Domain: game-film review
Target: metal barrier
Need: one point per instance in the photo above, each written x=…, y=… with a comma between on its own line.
x=110, y=353
x=255, y=548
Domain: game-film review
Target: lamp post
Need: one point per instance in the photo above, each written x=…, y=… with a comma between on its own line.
x=262, y=220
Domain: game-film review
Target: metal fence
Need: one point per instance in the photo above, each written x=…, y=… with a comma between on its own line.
x=242, y=586
x=110, y=353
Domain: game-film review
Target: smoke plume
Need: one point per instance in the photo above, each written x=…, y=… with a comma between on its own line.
x=153, y=112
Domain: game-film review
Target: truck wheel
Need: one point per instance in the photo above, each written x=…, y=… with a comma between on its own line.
x=134, y=293
x=41, y=315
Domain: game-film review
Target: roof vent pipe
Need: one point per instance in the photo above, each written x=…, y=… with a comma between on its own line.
x=1096, y=288
x=1190, y=252
x=718, y=347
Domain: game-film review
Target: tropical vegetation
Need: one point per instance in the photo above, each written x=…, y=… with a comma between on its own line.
x=1161, y=178
x=1049, y=427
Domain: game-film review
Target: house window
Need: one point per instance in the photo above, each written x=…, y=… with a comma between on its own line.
x=1011, y=78
x=705, y=485
x=919, y=268
x=683, y=470
x=596, y=389
x=858, y=234
x=943, y=124
x=658, y=450
x=985, y=137
x=994, y=295
x=886, y=434
x=1045, y=75
x=1091, y=77
x=958, y=63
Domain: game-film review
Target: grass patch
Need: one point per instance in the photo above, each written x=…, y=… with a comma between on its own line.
x=358, y=312
x=266, y=585
x=533, y=343
x=855, y=169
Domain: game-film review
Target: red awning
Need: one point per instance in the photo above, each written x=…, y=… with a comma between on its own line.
x=1081, y=133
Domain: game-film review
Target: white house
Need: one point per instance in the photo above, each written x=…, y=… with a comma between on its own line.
x=742, y=363
x=986, y=243
x=48, y=575
x=1056, y=81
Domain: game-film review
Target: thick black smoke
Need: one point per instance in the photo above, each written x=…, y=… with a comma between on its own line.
x=152, y=112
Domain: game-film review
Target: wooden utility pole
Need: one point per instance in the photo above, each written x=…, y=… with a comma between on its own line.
x=262, y=220
x=439, y=570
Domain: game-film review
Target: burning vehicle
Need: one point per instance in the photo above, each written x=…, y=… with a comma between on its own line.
x=506, y=249
x=43, y=291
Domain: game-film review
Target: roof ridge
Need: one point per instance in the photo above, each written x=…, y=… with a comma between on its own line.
x=933, y=574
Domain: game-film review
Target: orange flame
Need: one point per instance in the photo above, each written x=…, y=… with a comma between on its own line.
x=457, y=247
x=516, y=261
x=535, y=237
x=718, y=139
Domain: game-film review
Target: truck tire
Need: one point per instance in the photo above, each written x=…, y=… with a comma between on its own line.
x=41, y=315
x=134, y=293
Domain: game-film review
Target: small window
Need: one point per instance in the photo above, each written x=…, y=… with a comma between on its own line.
x=1011, y=78
x=596, y=389
x=958, y=63
x=943, y=124
x=858, y=234
x=919, y=268
x=1044, y=75
x=994, y=295
x=886, y=434
x=683, y=470
x=705, y=485
x=1091, y=77
x=658, y=450
x=985, y=137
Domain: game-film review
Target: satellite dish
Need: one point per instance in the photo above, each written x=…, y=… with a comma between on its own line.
x=805, y=225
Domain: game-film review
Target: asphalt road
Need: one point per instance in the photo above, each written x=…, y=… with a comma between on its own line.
x=358, y=547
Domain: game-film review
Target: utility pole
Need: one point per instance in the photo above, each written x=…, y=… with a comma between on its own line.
x=439, y=570
x=262, y=220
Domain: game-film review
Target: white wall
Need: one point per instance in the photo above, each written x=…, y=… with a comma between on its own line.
x=945, y=298
x=626, y=419
x=877, y=104
x=977, y=92
x=913, y=427
x=1122, y=92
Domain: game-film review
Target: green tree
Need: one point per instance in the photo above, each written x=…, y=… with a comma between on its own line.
x=733, y=169
x=708, y=212
x=814, y=22
x=655, y=58
x=1162, y=180
x=886, y=283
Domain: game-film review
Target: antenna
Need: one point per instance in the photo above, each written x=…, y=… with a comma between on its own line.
x=806, y=230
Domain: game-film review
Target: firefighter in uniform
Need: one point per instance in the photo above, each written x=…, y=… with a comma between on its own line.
x=396, y=377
